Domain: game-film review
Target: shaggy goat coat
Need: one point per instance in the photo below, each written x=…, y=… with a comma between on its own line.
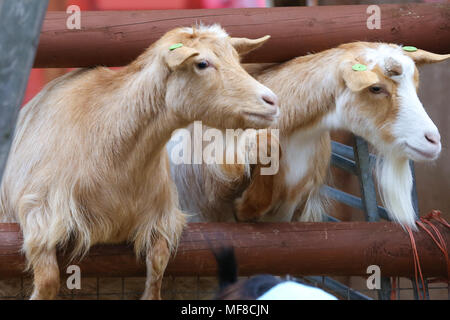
x=88, y=163
x=318, y=93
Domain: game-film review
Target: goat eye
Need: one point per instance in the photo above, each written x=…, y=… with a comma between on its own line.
x=203, y=64
x=376, y=89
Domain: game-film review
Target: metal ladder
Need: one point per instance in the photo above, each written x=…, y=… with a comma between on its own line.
x=358, y=161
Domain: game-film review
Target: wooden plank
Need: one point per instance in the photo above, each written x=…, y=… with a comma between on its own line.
x=115, y=38
x=343, y=248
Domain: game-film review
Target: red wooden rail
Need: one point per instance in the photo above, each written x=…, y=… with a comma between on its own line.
x=114, y=38
x=344, y=248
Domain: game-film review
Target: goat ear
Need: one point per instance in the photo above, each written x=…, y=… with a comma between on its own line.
x=356, y=80
x=176, y=57
x=245, y=45
x=423, y=57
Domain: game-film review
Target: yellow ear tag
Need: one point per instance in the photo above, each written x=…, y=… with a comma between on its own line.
x=409, y=48
x=175, y=46
x=359, y=67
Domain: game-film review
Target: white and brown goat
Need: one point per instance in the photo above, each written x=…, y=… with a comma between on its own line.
x=88, y=163
x=318, y=93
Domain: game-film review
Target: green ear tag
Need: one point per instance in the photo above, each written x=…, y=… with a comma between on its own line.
x=175, y=46
x=359, y=67
x=409, y=48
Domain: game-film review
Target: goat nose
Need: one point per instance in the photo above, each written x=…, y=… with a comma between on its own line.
x=271, y=100
x=433, y=138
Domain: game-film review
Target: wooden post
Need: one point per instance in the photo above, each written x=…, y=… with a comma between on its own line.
x=343, y=248
x=20, y=24
x=114, y=38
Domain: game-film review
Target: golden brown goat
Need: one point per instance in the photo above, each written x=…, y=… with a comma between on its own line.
x=88, y=163
x=318, y=93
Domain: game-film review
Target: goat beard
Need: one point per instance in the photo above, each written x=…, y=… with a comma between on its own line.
x=395, y=184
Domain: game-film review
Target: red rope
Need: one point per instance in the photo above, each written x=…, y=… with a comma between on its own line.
x=394, y=288
x=438, y=239
x=417, y=268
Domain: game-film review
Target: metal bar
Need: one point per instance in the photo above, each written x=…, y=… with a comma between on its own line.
x=329, y=218
x=20, y=25
x=415, y=202
x=416, y=289
x=386, y=288
x=342, y=150
x=343, y=197
x=343, y=163
x=368, y=192
x=347, y=152
x=369, y=197
x=415, y=199
x=338, y=288
x=350, y=200
x=342, y=157
x=416, y=210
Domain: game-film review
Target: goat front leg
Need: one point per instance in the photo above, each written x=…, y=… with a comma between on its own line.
x=256, y=200
x=156, y=260
x=46, y=276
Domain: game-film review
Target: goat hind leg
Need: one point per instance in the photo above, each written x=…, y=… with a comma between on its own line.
x=46, y=276
x=156, y=260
